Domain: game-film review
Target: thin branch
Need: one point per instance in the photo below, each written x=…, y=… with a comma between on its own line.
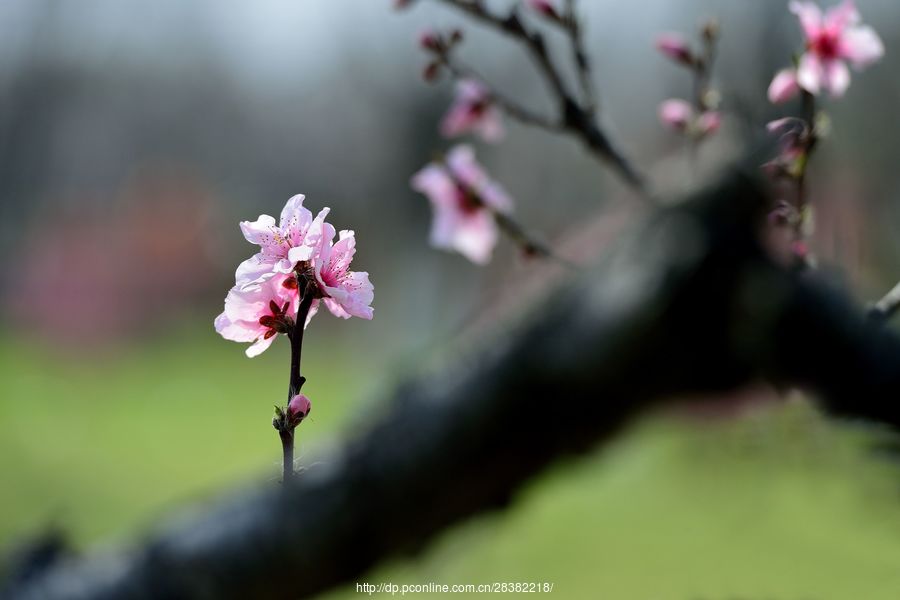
x=506, y=104
x=512, y=25
x=530, y=245
x=575, y=117
x=580, y=57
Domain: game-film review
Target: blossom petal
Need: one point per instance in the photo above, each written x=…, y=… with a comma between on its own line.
x=810, y=73
x=261, y=231
x=253, y=268
x=810, y=17
x=463, y=166
x=490, y=127
x=476, y=238
x=259, y=346
x=837, y=77
x=861, y=46
x=295, y=219
x=234, y=331
x=841, y=16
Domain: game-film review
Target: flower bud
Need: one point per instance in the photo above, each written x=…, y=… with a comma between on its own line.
x=784, y=86
x=676, y=114
x=430, y=40
x=710, y=30
x=544, y=7
x=299, y=407
x=675, y=47
x=431, y=71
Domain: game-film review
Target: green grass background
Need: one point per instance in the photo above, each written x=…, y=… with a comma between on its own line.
x=777, y=505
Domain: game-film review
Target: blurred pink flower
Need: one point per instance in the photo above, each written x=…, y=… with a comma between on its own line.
x=676, y=114
x=259, y=311
x=276, y=241
x=346, y=293
x=833, y=39
x=784, y=86
x=299, y=407
x=679, y=115
x=674, y=46
x=465, y=201
x=709, y=122
x=473, y=110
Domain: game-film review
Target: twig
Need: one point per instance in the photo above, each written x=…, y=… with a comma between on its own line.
x=576, y=118
x=887, y=307
x=529, y=245
x=506, y=104
x=579, y=57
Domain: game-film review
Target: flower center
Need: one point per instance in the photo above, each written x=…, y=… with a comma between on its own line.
x=467, y=202
x=826, y=45
x=277, y=320
x=477, y=108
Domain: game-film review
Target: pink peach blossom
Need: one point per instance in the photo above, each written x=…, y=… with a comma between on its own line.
x=832, y=40
x=465, y=201
x=674, y=46
x=784, y=86
x=345, y=293
x=259, y=311
x=275, y=241
x=473, y=110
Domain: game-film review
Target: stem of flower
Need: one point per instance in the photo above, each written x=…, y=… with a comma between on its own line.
x=284, y=424
x=809, y=114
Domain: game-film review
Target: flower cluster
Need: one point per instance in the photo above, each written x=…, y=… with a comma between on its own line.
x=466, y=202
x=699, y=118
x=298, y=259
x=832, y=40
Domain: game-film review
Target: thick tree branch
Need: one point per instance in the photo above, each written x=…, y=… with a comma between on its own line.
x=686, y=303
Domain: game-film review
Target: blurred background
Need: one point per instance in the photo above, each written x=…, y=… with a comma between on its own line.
x=133, y=138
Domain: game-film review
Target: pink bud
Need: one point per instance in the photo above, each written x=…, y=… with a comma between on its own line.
x=675, y=47
x=299, y=407
x=544, y=7
x=709, y=122
x=784, y=86
x=431, y=71
x=676, y=114
x=799, y=249
x=430, y=40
